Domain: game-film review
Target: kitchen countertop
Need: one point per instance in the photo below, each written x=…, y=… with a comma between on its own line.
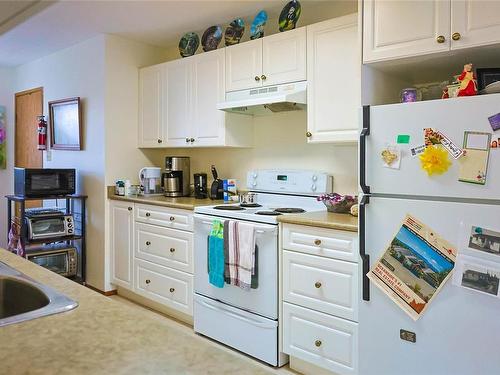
x=102, y=336
x=184, y=203
x=322, y=219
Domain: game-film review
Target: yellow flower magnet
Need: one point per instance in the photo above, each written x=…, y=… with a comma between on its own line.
x=435, y=160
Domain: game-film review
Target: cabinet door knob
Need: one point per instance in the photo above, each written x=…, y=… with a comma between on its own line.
x=172, y=290
x=172, y=250
x=441, y=39
x=172, y=218
x=148, y=243
x=263, y=77
x=192, y=140
x=257, y=78
x=309, y=134
x=148, y=214
x=318, y=343
x=160, y=141
x=317, y=285
x=129, y=208
x=148, y=281
x=317, y=242
x=456, y=36
x=187, y=140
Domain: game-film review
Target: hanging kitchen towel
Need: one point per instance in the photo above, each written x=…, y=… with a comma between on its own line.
x=227, y=276
x=216, y=255
x=241, y=254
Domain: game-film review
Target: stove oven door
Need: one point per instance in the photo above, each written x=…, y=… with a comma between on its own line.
x=264, y=299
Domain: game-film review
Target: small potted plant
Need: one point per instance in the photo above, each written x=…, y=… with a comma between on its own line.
x=338, y=203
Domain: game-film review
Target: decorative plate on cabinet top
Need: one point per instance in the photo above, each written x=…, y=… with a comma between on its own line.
x=211, y=38
x=234, y=32
x=257, y=28
x=290, y=15
x=188, y=44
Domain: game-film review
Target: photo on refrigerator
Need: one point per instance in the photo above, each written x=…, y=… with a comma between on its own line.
x=486, y=240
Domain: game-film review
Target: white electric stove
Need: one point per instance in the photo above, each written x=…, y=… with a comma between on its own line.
x=248, y=320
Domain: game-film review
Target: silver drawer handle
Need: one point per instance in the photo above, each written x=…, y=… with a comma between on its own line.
x=317, y=242
x=148, y=243
x=317, y=285
x=148, y=281
x=318, y=343
x=172, y=250
x=172, y=218
x=172, y=290
x=148, y=214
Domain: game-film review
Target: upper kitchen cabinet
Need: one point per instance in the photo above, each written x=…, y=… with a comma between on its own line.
x=272, y=60
x=150, y=99
x=186, y=105
x=396, y=29
x=334, y=81
x=474, y=23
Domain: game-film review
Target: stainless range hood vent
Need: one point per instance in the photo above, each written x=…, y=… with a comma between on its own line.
x=267, y=100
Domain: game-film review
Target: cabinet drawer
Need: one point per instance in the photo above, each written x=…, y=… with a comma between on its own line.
x=323, y=242
x=326, y=285
x=165, y=217
x=164, y=285
x=167, y=247
x=320, y=339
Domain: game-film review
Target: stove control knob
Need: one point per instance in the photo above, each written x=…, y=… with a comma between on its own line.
x=313, y=187
x=254, y=175
x=254, y=183
x=314, y=177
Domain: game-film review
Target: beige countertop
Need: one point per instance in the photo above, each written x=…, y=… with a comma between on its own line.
x=184, y=203
x=323, y=219
x=103, y=336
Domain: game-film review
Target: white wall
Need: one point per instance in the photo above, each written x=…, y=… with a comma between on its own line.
x=279, y=142
x=78, y=71
x=6, y=179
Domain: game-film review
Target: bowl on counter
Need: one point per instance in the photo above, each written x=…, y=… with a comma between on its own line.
x=338, y=203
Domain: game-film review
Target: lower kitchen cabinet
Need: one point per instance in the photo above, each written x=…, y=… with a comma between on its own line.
x=121, y=228
x=320, y=339
x=152, y=253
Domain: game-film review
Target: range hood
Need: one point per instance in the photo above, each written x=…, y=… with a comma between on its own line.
x=266, y=100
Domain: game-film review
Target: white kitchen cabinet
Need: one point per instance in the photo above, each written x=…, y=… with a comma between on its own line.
x=176, y=104
x=244, y=65
x=272, y=60
x=474, y=23
x=150, y=99
x=334, y=81
x=122, y=243
x=284, y=57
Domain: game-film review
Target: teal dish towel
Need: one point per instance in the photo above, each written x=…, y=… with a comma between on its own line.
x=216, y=255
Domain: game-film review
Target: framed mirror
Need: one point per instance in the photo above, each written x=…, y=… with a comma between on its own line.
x=65, y=124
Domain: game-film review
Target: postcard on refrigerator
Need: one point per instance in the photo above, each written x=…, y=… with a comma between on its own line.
x=432, y=137
x=474, y=163
x=478, y=240
x=415, y=265
x=477, y=274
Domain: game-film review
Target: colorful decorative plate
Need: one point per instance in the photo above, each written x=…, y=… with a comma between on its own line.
x=234, y=32
x=290, y=15
x=257, y=28
x=188, y=44
x=211, y=38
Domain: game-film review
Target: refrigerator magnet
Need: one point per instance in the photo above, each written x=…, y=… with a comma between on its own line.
x=495, y=121
x=474, y=165
x=477, y=274
x=391, y=157
x=455, y=151
x=432, y=137
x=495, y=144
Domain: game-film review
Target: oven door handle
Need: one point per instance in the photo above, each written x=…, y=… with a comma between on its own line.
x=257, y=229
x=236, y=315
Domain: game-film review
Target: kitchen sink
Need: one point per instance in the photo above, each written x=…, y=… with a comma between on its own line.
x=22, y=298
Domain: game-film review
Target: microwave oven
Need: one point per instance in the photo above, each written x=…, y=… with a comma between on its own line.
x=50, y=226
x=57, y=258
x=44, y=182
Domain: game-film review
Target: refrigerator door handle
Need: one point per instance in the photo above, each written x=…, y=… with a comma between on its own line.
x=362, y=149
x=365, y=258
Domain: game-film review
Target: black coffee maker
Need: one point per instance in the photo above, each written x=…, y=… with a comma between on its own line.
x=200, y=186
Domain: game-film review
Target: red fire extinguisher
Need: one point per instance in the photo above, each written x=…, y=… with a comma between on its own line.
x=42, y=133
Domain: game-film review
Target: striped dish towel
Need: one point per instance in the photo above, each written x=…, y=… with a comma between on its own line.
x=239, y=249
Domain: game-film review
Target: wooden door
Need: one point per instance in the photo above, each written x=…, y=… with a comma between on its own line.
x=208, y=90
x=29, y=105
x=396, y=29
x=284, y=57
x=244, y=65
x=177, y=108
x=474, y=23
x=150, y=91
x=334, y=81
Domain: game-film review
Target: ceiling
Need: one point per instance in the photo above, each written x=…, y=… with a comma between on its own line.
x=32, y=29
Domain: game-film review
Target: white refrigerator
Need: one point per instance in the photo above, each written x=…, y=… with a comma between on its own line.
x=459, y=333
